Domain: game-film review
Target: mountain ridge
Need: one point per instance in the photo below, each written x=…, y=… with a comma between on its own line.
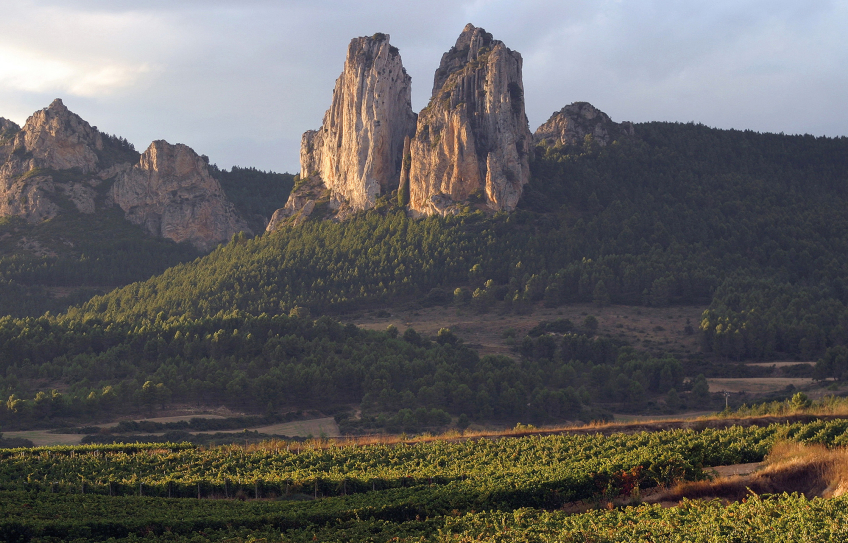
x=57, y=155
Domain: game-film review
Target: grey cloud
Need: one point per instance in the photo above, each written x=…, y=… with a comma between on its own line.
x=241, y=80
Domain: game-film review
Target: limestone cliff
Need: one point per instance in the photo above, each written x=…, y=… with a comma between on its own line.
x=57, y=139
x=59, y=163
x=8, y=130
x=171, y=193
x=472, y=141
x=571, y=125
x=357, y=152
x=52, y=140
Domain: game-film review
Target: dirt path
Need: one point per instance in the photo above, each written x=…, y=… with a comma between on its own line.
x=43, y=438
x=736, y=469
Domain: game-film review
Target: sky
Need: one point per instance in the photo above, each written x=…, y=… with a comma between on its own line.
x=241, y=80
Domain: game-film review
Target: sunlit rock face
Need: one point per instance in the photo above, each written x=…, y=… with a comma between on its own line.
x=357, y=153
x=573, y=123
x=472, y=141
x=172, y=194
x=59, y=163
x=52, y=139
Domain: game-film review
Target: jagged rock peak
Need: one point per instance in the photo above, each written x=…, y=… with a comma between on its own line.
x=472, y=141
x=571, y=125
x=59, y=139
x=7, y=128
x=53, y=138
x=467, y=49
x=357, y=152
x=172, y=194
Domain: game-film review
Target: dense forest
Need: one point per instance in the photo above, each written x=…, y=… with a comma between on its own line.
x=51, y=265
x=403, y=382
x=755, y=225
x=255, y=193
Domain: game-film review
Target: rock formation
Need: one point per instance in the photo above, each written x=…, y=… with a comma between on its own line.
x=171, y=193
x=301, y=204
x=53, y=139
x=571, y=125
x=59, y=163
x=60, y=140
x=472, y=141
x=8, y=130
x=357, y=153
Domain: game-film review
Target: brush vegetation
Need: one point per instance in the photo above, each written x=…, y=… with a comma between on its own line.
x=755, y=225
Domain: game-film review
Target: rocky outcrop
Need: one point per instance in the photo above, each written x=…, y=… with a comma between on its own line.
x=53, y=140
x=60, y=140
x=8, y=130
x=571, y=125
x=301, y=203
x=357, y=152
x=472, y=141
x=171, y=193
x=58, y=162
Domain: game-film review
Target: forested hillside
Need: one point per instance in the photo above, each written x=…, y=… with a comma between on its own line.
x=753, y=224
x=49, y=265
x=255, y=193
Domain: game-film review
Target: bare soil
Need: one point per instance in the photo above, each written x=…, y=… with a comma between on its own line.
x=758, y=385
x=644, y=327
x=780, y=364
x=325, y=427
x=320, y=427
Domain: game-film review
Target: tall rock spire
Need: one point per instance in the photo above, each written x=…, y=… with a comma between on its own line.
x=472, y=141
x=357, y=153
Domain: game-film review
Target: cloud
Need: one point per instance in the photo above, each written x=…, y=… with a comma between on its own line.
x=241, y=80
x=34, y=71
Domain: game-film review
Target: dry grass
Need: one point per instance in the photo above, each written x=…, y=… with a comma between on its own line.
x=595, y=427
x=825, y=406
x=757, y=385
x=325, y=426
x=650, y=328
x=811, y=470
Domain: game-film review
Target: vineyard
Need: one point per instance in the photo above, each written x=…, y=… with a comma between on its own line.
x=510, y=489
